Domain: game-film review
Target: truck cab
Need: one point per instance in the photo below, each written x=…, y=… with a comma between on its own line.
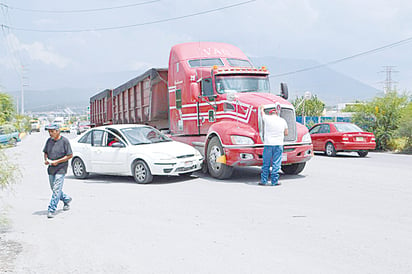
x=214, y=96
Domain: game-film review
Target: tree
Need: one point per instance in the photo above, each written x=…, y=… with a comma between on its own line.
x=7, y=109
x=405, y=126
x=381, y=116
x=310, y=107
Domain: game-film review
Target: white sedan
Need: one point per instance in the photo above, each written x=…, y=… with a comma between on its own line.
x=137, y=150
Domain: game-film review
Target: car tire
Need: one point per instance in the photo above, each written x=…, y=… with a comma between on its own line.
x=79, y=169
x=330, y=150
x=141, y=173
x=362, y=153
x=217, y=170
x=293, y=169
x=12, y=142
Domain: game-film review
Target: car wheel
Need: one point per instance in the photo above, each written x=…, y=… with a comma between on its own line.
x=79, y=169
x=216, y=169
x=330, y=150
x=141, y=172
x=293, y=169
x=12, y=142
x=362, y=153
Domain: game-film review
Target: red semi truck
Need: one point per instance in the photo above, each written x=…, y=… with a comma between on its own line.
x=208, y=98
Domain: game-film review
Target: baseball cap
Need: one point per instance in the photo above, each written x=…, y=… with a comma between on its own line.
x=51, y=126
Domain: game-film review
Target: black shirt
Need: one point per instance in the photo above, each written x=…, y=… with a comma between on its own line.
x=56, y=149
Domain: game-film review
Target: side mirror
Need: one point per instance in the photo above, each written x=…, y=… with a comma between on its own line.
x=194, y=91
x=284, y=93
x=118, y=144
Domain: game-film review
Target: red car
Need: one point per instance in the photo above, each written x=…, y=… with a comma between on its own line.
x=340, y=136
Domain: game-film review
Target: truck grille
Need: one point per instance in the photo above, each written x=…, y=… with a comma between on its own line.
x=289, y=115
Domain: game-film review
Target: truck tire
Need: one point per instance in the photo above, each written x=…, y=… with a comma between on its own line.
x=330, y=150
x=141, y=173
x=293, y=169
x=217, y=170
x=79, y=169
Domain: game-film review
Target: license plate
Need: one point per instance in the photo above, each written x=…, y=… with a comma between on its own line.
x=359, y=138
x=188, y=163
x=284, y=157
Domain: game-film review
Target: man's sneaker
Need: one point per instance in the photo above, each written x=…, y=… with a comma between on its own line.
x=51, y=214
x=66, y=205
x=262, y=184
x=277, y=184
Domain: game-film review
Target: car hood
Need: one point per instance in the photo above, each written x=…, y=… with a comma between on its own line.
x=172, y=148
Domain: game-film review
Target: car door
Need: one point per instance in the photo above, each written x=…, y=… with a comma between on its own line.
x=112, y=159
x=323, y=136
x=314, y=134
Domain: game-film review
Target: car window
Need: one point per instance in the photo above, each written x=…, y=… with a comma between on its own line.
x=111, y=139
x=86, y=139
x=144, y=135
x=324, y=129
x=97, y=138
x=348, y=128
x=314, y=130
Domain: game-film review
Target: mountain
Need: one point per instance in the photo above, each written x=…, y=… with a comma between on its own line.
x=330, y=86
x=327, y=84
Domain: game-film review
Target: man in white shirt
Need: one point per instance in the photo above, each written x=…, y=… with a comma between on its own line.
x=275, y=128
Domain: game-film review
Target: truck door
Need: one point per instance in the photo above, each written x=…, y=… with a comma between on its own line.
x=207, y=106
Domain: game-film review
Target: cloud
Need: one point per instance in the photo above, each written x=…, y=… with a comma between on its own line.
x=37, y=51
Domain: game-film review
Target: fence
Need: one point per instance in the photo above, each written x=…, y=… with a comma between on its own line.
x=311, y=120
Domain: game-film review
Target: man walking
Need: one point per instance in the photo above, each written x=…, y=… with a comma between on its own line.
x=274, y=129
x=57, y=153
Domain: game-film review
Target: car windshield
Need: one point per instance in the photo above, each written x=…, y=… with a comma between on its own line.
x=241, y=83
x=144, y=135
x=348, y=128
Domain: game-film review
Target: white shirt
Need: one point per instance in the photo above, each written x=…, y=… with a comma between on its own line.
x=274, y=130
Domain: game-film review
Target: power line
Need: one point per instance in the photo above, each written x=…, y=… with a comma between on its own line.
x=135, y=25
x=395, y=44
x=77, y=11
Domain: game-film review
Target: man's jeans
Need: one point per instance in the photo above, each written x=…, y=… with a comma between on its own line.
x=272, y=155
x=56, y=185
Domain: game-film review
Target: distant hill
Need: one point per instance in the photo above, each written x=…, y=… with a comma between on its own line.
x=330, y=86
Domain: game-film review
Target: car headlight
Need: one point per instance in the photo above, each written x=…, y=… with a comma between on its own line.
x=306, y=138
x=197, y=153
x=163, y=156
x=241, y=140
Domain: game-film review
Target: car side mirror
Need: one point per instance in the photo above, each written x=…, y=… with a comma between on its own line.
x=118, y=144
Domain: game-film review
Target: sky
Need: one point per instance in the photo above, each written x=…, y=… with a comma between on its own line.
x=69, y=44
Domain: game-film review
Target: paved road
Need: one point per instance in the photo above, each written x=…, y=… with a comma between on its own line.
x=341, y=215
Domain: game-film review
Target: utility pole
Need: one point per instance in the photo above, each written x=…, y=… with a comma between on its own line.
x=23, y=84
x=387, y=84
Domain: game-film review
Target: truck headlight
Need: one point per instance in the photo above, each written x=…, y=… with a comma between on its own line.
x=241, y=140
x=306, y=138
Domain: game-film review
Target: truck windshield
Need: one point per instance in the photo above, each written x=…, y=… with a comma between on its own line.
x=241, y=83
x=144, y=135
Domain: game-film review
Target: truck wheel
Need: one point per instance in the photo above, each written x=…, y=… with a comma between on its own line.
x=293, y=169
x=79, y=169
x=217, y=170
x=362, y=153
x=141, y=173
x=330, y=150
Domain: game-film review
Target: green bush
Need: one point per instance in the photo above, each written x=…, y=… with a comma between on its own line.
x=9, y=172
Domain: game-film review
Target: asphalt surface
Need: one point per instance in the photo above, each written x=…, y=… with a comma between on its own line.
x=340, y=215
